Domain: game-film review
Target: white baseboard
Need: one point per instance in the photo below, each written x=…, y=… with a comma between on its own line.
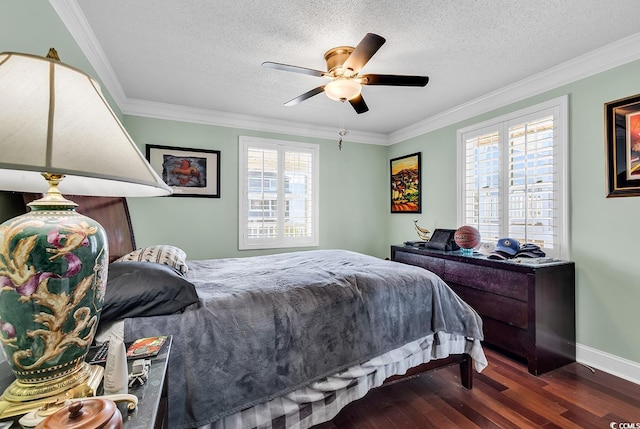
x=620, y=367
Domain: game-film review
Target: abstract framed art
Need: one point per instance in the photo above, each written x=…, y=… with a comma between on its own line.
x=622, y=125
x=406, y=195
x=189, y=172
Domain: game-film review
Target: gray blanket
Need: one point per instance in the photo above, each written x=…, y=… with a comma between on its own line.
x=268, y=325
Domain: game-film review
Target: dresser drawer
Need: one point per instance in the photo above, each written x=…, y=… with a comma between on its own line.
x=432, y=264
x=501, y=308
x=501, y=282
x=507, y=337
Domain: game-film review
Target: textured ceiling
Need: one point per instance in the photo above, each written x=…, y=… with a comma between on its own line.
x=207, y=54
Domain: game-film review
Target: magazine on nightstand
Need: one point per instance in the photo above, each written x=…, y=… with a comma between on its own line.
x=145, y=347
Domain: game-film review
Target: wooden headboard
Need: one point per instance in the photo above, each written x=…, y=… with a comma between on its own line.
x=112, y=213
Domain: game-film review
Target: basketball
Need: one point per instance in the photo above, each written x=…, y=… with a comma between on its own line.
x=467, y=237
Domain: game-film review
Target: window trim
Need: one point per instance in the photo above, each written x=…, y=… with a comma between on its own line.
x=560, y=106
x=244, y=243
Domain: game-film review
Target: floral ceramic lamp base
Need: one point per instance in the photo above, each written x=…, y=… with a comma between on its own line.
x=53, y=269
x=20, y=398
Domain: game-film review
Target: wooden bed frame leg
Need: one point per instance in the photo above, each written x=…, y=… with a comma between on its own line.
x=466, y=372
x=464, y=360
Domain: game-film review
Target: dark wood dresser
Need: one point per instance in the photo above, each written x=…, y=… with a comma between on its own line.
x=527, y=310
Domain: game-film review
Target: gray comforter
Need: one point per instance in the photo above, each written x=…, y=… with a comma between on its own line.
x=270, y=324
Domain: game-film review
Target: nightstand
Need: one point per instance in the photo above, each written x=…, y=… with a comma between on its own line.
x=152, y=409
x=152, y=396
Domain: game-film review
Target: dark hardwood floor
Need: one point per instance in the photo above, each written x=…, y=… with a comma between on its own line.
x=504, y=395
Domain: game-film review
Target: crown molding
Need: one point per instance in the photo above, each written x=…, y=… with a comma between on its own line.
x=613, y=55
x=171, y=112
x=75, y=21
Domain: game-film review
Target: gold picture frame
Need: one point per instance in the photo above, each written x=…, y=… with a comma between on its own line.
x=622, y=127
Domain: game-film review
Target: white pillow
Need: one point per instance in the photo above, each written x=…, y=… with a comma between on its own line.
x=161, y=254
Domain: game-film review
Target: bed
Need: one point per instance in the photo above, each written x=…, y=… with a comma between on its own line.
x=282, y=340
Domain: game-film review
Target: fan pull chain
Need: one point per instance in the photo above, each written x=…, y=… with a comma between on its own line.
x=342, y=131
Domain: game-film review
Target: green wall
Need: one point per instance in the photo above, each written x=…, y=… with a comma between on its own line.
x=603, y=231
x=33, y=26
x=353, y=203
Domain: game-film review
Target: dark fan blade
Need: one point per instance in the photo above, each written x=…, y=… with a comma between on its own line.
x=394, y=80
x=296, y=69
x=358, y=104
x=368, y=46
x=308, y=94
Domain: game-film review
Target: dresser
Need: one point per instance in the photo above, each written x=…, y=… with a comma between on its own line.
x=527, y=310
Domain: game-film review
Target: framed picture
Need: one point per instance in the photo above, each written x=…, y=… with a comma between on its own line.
x=622, y=118
x=189, y=172
x=405, y=184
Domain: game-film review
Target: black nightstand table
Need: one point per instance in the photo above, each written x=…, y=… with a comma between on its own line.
x=152, y=409
x=152, y=396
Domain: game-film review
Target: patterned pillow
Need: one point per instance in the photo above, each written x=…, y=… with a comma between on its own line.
x=161, y=254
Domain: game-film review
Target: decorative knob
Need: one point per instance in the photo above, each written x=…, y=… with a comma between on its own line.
x=75, y=410
x=89, y=413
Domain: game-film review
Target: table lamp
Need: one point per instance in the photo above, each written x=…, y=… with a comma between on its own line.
x=55, y=122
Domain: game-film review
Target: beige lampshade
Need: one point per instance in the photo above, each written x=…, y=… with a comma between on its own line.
x=54, y=119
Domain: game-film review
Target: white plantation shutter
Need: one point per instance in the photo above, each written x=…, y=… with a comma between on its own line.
x=532, y=183
x=278, y=194
x=298, y=194
x=513, y=173
x=262, y=216
x=482, y=184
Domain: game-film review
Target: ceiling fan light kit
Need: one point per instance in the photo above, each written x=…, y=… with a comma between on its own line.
x=343, y=89
x=343, y=65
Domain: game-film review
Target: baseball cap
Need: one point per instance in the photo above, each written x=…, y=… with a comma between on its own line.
x=499, y=255
x=486, y=248
x=530, y=250
x=510, y=246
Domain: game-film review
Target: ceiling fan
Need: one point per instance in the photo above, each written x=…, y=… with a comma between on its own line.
x=343, y=65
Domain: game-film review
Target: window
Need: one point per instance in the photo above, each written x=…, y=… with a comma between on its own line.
x=278, y=194
x=513, y=177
